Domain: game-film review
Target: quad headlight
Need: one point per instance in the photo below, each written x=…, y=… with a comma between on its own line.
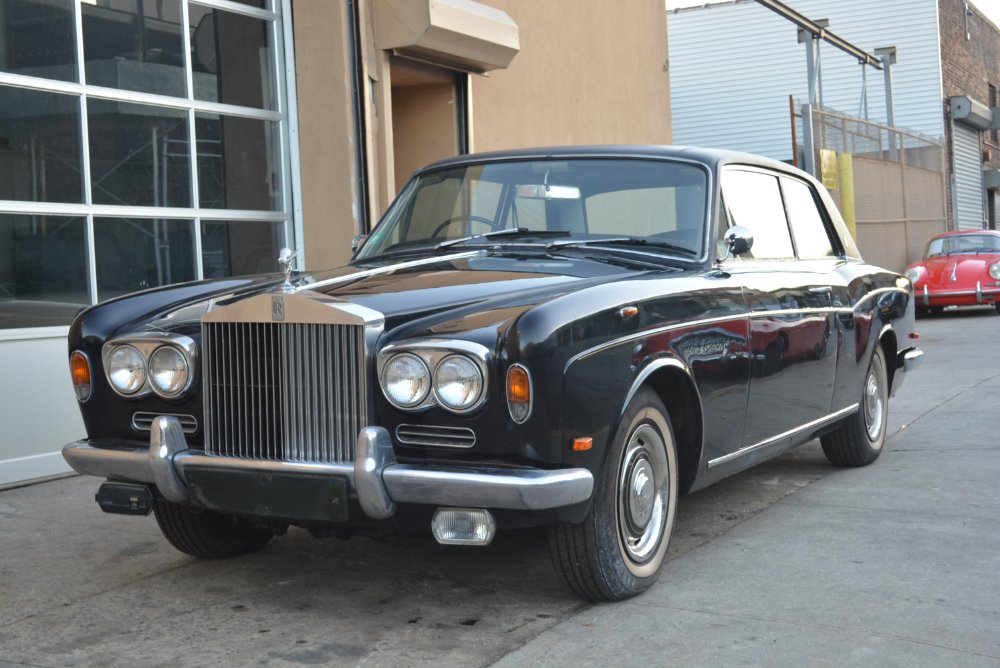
x=458, y=382
x=162, y=364
x=168, y=371
x=995, y=271
x=126, y=370
x=447, y=373
x=406, y=380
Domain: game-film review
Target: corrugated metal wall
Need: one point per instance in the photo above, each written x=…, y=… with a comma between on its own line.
x=733, y=66
x=968, y=188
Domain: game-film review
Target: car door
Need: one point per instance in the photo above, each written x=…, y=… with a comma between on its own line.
x=793, y=334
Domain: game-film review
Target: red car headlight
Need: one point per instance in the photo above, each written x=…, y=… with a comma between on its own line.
x=914, y=273
x=995, y=271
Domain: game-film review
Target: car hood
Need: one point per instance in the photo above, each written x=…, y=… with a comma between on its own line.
x=433, y=293
x=957, y=270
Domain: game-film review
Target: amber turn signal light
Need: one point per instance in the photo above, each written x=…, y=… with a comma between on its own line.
x=518, y=393
x=79, y=371
x=582, y=444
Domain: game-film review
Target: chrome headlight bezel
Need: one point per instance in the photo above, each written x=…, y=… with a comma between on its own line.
x=147, y=345
x=994, y=271
x=433, y=352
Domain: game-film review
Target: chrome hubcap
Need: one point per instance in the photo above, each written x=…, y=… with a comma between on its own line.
x=643, y=485
x=874, y=405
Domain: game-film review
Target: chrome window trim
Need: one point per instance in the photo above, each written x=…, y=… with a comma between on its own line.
x=815, y=424
x=433, y=351
x=146, y=344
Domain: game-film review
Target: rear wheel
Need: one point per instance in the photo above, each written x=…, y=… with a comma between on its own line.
x=617, y=551
x=207, y=534
x=858, y=442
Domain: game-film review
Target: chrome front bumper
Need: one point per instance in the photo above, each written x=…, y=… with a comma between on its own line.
x=378, y=481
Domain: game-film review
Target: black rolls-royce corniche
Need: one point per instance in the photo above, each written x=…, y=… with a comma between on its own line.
x=558, y=337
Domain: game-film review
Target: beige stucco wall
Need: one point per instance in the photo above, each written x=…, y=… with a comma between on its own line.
x=589, y=72
x=326, y=132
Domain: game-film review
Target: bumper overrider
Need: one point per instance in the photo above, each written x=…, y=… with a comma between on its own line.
x=374, y=478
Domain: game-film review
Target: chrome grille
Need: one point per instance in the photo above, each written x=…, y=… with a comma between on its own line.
x=444, y=437
x=143, y=421
x=283, y=391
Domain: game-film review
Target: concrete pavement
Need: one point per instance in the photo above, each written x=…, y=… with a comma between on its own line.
x=896, y=564
x=792, y=563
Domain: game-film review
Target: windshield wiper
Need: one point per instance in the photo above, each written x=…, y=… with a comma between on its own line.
x=509, y=232
x=622, y=241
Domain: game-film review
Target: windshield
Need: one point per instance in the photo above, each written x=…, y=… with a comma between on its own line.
x=964, y=243
x=537, y=201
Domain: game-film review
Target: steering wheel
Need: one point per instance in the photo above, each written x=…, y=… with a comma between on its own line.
x=492, y=224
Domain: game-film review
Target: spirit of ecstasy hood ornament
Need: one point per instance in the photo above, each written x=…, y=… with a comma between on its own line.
x=285, y=258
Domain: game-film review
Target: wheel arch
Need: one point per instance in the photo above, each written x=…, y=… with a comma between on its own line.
x=890, y=345
x=674, y=384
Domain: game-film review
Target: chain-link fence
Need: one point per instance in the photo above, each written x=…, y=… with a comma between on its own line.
x=888, y=183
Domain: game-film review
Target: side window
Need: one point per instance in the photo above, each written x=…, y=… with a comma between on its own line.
x=811, y=237
x=753, y=200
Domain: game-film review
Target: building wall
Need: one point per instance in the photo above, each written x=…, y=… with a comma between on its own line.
x=970, y=64
x=330, y=207
x=734, y=64
x=589, y=72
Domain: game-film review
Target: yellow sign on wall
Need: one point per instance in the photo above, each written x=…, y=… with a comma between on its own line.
x=828, y=168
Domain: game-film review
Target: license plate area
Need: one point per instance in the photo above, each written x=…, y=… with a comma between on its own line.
x=289, y=496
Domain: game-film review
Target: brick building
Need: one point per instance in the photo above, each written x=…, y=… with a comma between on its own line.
x=970, y=67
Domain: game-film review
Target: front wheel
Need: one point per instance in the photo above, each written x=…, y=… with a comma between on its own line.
x=858, y=442
x=207, y=534
x=617, y=551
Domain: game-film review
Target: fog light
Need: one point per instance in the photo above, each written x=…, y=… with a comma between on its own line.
x=463, y=526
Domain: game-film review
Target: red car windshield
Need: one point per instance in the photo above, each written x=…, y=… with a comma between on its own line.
x=965, y=243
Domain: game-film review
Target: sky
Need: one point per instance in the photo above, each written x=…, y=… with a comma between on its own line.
x=991, y=8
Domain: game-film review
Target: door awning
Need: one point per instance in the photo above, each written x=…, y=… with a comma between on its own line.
x=459, y=34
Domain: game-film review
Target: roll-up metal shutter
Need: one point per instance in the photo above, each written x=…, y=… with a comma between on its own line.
x=968, y=188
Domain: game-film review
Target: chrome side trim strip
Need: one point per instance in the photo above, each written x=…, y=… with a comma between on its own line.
x=727, y=318
x=786, y=434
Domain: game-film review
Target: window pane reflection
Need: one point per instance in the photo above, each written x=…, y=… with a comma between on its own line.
x=138, y=154
x=135, y=254
x=40, y=155
x=231, y=58
x=37, y=38
x=236, y=166
x=240, y=247
x=134, y=45
x=43, y=270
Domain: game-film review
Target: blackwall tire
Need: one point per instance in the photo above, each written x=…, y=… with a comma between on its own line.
x=859, y=440
x=206, y=534
x=618, y=550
